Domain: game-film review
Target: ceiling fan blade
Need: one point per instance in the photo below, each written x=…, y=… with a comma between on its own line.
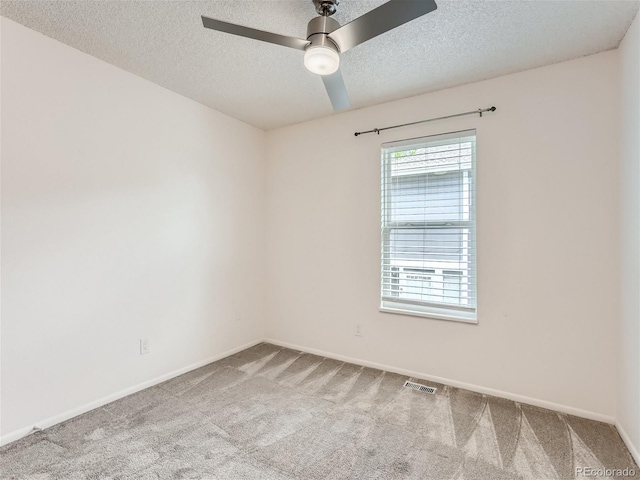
x=336, y=90
x=379, y=20
x=247, y=32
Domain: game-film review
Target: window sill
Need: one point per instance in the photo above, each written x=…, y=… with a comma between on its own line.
x=437, y=316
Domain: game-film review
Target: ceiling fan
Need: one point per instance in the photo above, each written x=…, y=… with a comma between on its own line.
x=326, y=39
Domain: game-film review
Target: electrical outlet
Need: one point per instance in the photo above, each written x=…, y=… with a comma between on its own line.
x=358, y=332
x=145, y=346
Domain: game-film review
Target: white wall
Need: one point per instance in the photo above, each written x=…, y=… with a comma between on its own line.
x=127, y=211
x=547, y=235
x=628, y=409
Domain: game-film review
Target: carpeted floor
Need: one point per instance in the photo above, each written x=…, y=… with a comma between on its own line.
x=274, y=413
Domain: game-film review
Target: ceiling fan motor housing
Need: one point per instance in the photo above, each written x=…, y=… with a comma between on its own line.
x=318, y=29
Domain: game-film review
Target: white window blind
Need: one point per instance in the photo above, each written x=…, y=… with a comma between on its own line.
x=428, y=226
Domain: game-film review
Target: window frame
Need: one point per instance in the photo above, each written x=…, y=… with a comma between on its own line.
x=435, y=310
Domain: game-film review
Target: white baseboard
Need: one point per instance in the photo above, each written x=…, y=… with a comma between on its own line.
x=48, y=422
x=454, y=383
x=633, y=449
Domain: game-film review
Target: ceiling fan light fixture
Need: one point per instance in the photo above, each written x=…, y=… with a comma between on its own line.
x=321, y=59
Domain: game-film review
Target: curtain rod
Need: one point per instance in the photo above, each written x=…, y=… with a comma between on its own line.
x=378, y=130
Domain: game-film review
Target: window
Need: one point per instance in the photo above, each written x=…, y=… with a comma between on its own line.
x=429, y=227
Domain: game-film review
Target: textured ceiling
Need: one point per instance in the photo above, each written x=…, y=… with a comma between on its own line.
x=267, y=85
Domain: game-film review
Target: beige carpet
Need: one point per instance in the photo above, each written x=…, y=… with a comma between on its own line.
x=274, y=413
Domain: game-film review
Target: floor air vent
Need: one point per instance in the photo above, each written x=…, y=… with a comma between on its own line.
x=420, y=388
